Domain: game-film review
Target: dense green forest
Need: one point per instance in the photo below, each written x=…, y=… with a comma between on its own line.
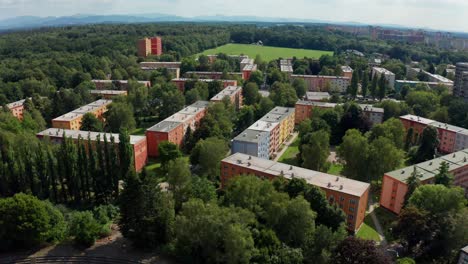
x=74, y=192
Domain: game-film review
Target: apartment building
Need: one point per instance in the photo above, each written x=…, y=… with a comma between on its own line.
x=149, y=46
x=244, y=62
x=278, y=124
x=17, y=108
x=140, y=155
x=389, y=76
x=108, y=94
x=287, y=67
x=350, y=195
x=180, y=82
x=72, y=120
x=234, y=93
x=317, y=96
x=320, y=83
x=174, y=128
x=461, y=81
x=347, y=71
x=211, y=75
x=394, y=186
x=247, y=71
x=116, y=84
x=451, y=138
x=400, y=83
x=172, y=67
x=305, y=109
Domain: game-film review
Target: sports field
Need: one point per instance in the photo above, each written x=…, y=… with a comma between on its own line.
x=267, y=53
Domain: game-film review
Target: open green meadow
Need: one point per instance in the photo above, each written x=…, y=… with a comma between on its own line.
x=267, y=53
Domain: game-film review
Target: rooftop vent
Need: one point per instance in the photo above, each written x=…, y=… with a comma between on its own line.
x=292, y=175
x=250, y=157
x=248, y=164
x=337, y=178
x=239, y=161
x=402, y=171
x=341, y=187
x=430, y=163
x=454, y=155
x=290, y=167
x=329, y=185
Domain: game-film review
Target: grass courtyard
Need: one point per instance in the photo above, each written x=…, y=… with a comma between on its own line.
x=368, y=230
x=289, y=156
x=267, y=53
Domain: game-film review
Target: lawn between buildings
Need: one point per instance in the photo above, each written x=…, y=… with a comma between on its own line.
x=266, y=52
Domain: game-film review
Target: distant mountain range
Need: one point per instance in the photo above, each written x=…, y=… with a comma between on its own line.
x=83, y=19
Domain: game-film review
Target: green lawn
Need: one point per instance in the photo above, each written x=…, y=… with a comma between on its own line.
x=138, y=131
x=289, y=156
x=335, y=169
x=367, y=230
x=267, y=53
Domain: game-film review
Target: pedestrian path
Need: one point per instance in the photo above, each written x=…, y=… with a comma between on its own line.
x=286, y=145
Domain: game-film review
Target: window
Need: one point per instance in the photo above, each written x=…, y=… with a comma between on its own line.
x=331, y=199
x=350, y=217
x=352, y=201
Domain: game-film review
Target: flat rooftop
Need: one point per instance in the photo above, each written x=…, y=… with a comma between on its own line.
x=250, y=67
x=83, y=110
x=278, y=113
x=317, y=95
x=113, y=92
x=371, y=108
x=418, y=119
x=262, y=125
x=251, y=136
x=286, y=68
x=320, y=76
x=75, y=134
x=16, y=104
x=118, y=81
x=318, y=104
x=429, y=169
x=346, y=69
x=382, y=70
x=161, y=63
x=228, y=91
x=210, y=73
x=319, y=179
x=164, y=126
x=200, y=80
x=247, y=61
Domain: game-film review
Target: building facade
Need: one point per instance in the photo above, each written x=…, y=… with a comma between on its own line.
x=350, y=195
x=180, y=82
x=347, y=71
x=211, y=75
x=172, y=67
x=234, y=93
x=451, y=138
x=394, y=186
x=149, y=46
x=116, y=84
x=305, y=110
x=140, y=154
x=174, y=128
x=17, y=108
x=389, y=76
x=278, y=124
x=108, y=94
x=319, y=83
x=72, y=120
x=317, y=96
x=460, y=88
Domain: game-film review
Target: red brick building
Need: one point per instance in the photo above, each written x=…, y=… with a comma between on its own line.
x=180, y=82
x=234, y=93
x=17, y=108
x=138, y=143
x=350, y=195
x=173, y=128
x=149, y=46
x=394, y=186
x=116, y=84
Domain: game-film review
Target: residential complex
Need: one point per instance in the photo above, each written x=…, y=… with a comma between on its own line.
x=108, y=94
x=317, y=96
x=320, y=83
x=247, y=71
x=17, y=108
x=72, y=120
x=264, y=138
x=234, y=93
x=347, y=71
x=116, y=84
x=173, y=128
x=172, y=67
x=389, y=76
x=305, y=109
x=180, y=82
x=451, y=138
x=350, y=195
x=149, y=46
x=138, y=143
x=394, y=186
x=461, y=81
x=286, y=66
x=210, y=75
x=244, y=62
x=400, y=83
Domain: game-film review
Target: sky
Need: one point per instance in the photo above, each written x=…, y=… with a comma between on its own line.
x=447, y=15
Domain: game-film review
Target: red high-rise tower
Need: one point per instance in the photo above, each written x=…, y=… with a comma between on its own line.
x=149, y=46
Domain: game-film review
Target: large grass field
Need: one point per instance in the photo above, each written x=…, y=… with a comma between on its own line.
x=267, y=53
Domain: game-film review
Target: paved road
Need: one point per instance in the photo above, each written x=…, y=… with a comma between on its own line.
x=286, y=145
